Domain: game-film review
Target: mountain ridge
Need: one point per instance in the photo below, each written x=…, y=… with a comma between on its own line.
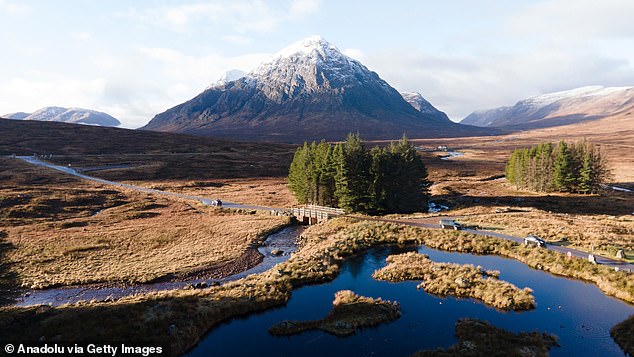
x=67, y=115
x=558, y=108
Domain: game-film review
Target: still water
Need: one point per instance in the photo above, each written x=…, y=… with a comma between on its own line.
x=577, y=312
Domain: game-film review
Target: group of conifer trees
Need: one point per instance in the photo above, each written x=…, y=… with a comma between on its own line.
x=566, y=167
x=381, y=180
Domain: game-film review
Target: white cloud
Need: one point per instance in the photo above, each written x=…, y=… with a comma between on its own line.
x=14, y=8
x=301, y=8
x=234, y=17
x=576, y=21
x=82, y=36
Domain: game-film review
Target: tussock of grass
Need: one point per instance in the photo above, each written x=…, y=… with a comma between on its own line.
x=456, y=280
x=350, y=312
x=623, y=334
x=479, y=338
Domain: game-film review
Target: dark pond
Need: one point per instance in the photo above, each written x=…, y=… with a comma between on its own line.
x=579, y=313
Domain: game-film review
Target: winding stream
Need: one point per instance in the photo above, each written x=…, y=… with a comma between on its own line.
x=284, y=240
x=452, y=154
x=578, y=312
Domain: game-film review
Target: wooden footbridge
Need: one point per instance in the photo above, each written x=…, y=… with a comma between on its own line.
x=312, y=214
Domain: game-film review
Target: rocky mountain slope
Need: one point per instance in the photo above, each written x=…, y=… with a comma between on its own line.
x=560, y=108
x=67, y=115
x=421, y=104
x=308, y=91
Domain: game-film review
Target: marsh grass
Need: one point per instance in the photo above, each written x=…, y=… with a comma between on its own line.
x=606, y=234
x=623, y=334
x=479, y=338
x=463, y=281
x=350, y=313
x=66, y=231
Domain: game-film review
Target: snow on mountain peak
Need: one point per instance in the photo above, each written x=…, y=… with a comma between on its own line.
x=227, y=77
x=307, y=46
x=311, y=50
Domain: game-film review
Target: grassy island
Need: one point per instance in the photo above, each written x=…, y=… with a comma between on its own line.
x=479, y=338
x=456, y=280
x=350, y=312
x=623, y=334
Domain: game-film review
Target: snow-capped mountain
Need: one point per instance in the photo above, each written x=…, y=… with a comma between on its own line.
x=419, y=103
x=16, y=116
x=307, y=91
x=67, y=115
x=559, y=108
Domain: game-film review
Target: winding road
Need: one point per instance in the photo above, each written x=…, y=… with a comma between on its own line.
x=74, y=172
x=430, y=222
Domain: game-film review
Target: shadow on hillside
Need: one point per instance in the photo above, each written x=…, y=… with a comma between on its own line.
x=8, y=280
x=612, y=203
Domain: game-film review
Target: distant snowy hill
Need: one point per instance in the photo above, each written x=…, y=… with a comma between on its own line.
x=307, y=91
x=16, y=116
x=559, y=108
x=67, y=115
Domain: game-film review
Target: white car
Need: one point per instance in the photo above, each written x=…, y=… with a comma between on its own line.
x=449, y=223
x=533, y=239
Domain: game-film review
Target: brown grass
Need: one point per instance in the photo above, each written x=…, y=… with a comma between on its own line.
x=479, y=338
x=456, y=280
x=265, y=191
x=605, y=233
x=350, y=313
x=136, y=237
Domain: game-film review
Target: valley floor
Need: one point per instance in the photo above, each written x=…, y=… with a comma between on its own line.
x=58, y=230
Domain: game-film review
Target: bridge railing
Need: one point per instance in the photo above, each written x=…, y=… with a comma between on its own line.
x=318, y=212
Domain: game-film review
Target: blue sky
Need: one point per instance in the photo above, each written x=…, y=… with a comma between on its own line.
x=134, y=59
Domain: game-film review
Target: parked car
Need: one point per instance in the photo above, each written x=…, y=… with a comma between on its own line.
x=450, y=223
x=535, y=240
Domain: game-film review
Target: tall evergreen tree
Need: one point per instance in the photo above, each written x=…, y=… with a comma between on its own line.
x=411, y=188
x=585, y=174
x=562, y=175
x=353, y=187
x=298, y=181
x=576, y=167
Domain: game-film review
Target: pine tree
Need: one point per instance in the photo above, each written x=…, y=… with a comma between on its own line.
x=381, y=179
x=298, y=177
x=585, y=174
x=411, y=187
x=353, y=186
x=562, y=176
